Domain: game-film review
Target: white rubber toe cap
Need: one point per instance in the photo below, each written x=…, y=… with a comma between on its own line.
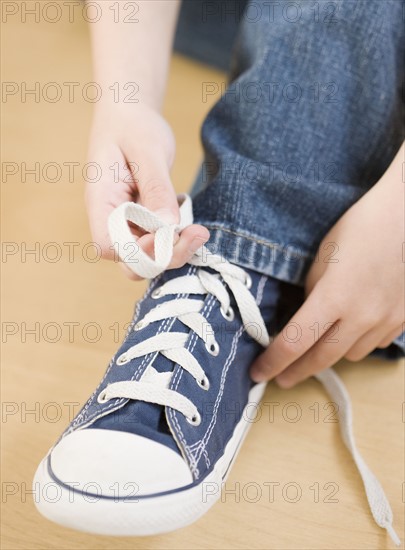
x=118, y=464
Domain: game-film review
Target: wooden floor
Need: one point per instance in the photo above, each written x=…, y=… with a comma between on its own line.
x=49, y=370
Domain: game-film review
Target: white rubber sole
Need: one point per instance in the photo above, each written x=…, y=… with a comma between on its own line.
x=144, y=516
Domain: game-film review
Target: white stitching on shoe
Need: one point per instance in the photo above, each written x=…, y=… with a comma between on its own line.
x=207, y=460
x=204, y=440
x=214, y=418
x=176, y=380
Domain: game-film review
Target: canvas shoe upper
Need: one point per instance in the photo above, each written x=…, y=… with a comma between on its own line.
x=151, y=447
x=183, y=389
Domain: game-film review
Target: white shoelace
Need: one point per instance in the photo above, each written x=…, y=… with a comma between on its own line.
x=154, y=385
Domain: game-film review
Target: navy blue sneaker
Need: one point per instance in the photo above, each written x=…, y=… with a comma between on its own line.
x=167, y=420
x=151, y=448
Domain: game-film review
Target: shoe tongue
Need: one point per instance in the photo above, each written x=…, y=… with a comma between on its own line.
x=144, y=418
x=158, y=379
x=160, y=363
x=140, y=417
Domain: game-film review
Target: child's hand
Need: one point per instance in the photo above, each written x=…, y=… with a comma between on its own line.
x=355, y=297
x=139, y=139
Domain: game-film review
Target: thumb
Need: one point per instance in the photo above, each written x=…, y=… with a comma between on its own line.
x=168, y=215
x=156, y=190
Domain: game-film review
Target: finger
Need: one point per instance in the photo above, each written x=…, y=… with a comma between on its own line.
x=188, y=242
x=155, y=188
x=388, y=340
x=98, y=218
x=129, y=273
x=326, y=352
x=130, y=256
x=191, y=239
x=366, y=344
x=306, y=327
x=102, y=195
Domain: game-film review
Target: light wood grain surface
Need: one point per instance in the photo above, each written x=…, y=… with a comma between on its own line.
x=318, y=501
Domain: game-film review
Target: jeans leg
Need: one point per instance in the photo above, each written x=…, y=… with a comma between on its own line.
x=206, y=30
x=311, y=119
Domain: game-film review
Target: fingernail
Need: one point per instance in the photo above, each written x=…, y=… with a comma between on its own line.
x=195, y=244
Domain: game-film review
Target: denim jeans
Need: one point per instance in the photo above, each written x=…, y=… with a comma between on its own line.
x=311, y=119
x=207, y=29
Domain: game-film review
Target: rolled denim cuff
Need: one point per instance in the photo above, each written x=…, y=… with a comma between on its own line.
x=284, y=263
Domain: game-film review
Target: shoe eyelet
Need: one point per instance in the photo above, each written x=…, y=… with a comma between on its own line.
x=140, y=325
x=248, y=281
x=156, y=293
x=212, y=347
x=204, y=383
x=195, y=420
x=101, y=398
x=122, y=360
x=229, y=314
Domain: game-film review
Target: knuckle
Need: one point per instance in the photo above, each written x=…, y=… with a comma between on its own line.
x=375, y=312
x=367, y=319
